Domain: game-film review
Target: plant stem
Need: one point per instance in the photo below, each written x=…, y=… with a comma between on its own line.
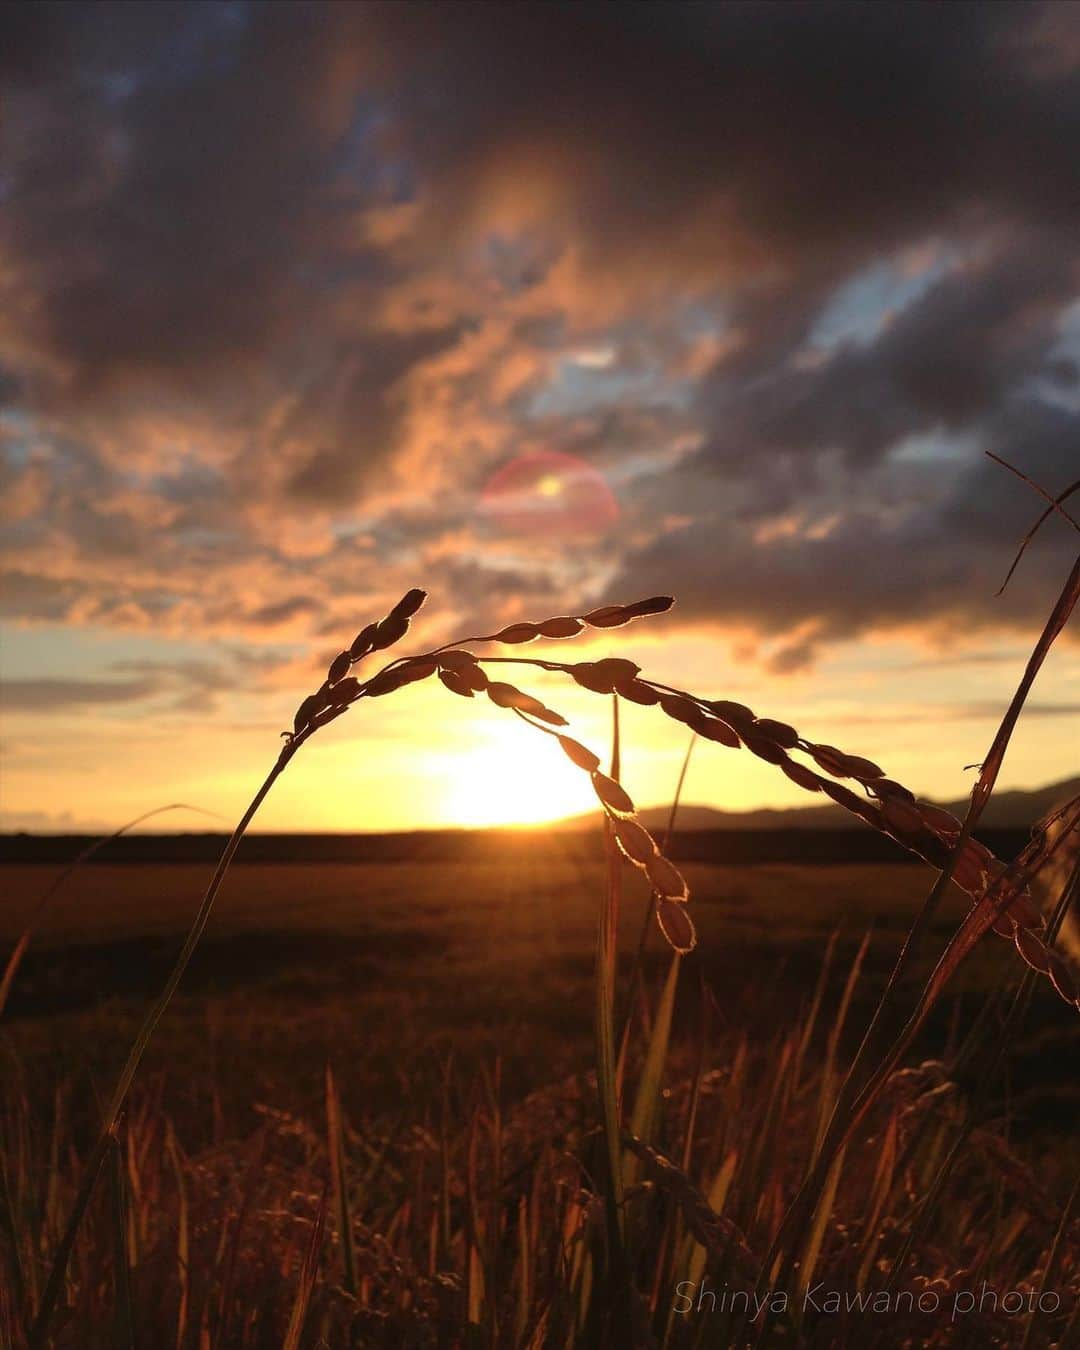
x=135, y=1054
x=853, y=1103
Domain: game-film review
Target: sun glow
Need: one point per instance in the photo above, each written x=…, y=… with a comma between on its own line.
x=514, y=779
x=549, y=486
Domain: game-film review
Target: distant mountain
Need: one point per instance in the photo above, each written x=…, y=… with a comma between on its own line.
x=1006, y=810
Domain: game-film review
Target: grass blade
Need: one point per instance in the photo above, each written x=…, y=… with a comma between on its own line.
x=58, y=1271
x=42, y=903
x=124, y=1325
x=339, y=1181
x=308, y=1272
x=643, y=1116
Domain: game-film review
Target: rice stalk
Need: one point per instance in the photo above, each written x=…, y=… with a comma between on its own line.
x=124, y=1327
x=1001, y=905
x=606, y=1085
x=43, y=901
x=647, y=1098
x=183, y=1243
x=339, y=1181
x=308, y=1271
x=994, y=902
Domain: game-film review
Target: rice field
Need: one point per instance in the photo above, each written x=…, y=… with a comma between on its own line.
x=465, y=1104
x=453, y=1006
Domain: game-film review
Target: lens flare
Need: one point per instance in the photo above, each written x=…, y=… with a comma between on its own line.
x=548, y=493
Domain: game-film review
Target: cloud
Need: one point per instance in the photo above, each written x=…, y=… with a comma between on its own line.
x=51, y=695
x=282, y=287
x=188, y=686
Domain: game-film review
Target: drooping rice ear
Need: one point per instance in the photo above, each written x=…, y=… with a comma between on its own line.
x=475, y=677
x=943, y=823
x=609, y=676
x=679, y=709
x=666, y=879
x=612, y=794
x=344, y=691
x=635, y=841
x=902, y=817
x=614, y=616
x=638, y=692
x=563, y=627
x=972, y=870
x=456, y=659
x=778, y=732
x=387, y=681
x=1033, y=950
x=607, y=616
x=713, y=729
x=580, y=755
x=858, y=806
x=829, y=758
x=505, y=695
x=676, y=925
x=457, y=683
x=800, y=774
x=616, y=671
x=509, y=696
x=765, y=749
x=655, y=604
x=339, y=667
x=861, y=768
x=517, y=632
x=409, y=603
x=388, y=631
x=1062, y=978
x=1025, y=911
x=736, y=715
x=308, y=709
x=363, y=642
x=550, y=716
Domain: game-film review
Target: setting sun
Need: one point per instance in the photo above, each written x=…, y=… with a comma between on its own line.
x=528, y=815
x=550, y=486
x=514, y=779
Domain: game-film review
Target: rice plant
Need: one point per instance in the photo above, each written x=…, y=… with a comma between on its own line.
x=722, y=1190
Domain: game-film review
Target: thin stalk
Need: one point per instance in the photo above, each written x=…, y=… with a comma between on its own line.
x=615, y=1309
x=124, y=1316
x=58, y=1272
x=42, y=903
x=977, y=1110
x=646, y=922
x=605, y=1019
x=853, y=1103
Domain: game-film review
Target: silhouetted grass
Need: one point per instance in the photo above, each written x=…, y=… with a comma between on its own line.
x=757, y=1132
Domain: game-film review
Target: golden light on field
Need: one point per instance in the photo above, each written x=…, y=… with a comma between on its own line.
x=514, y=778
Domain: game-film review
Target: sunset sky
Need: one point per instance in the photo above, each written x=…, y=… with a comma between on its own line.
x=537, y=307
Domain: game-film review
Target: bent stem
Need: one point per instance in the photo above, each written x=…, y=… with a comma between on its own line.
x=135, y=1054
x=647, y=920
x=853, y=1101
x=605, y=1018
x=15, y=959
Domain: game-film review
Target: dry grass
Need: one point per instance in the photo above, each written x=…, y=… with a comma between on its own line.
x=768, y=1164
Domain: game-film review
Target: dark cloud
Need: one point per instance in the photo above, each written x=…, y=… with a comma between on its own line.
x=189, y=686
x=60, y=694
x=809, y=132
x=272, y=276
x=281, y=611
x=993, y=711
x=945, y=362
x=930, y=568
x=869, y=458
